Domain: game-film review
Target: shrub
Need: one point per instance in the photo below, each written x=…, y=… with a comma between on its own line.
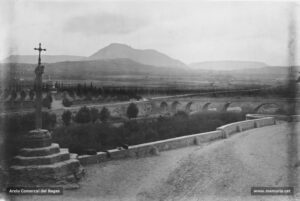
x=79, y=137
x=71, y=93
x=94, y=112
x=151, y=135
x=6, y=93
x=132, y=111
x=181, y=114
x=104, y=114
x=83, y=115
x=49, y=120
x=13, y=95
x=23, y=95
x=66, y=117
x=78, y=93
x=31, y=94
x=88, y=96
x=66, y=102
x=17, y=123
x=47, y=101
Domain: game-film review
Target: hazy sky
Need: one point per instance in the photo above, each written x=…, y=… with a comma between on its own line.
x=191, y=31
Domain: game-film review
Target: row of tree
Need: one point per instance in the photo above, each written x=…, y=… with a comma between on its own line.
x=90, y=90
x=87, y=115
x=23, y=95
x=46, y=86
x=131, y=91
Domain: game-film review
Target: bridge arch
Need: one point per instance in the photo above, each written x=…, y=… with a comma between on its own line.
x=174, y=106
x=205, y=106
x=188, y=106
x=264, y=104
x=164, y=106
x=225, y=107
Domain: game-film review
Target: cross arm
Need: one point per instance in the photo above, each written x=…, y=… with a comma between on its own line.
x=39, y=49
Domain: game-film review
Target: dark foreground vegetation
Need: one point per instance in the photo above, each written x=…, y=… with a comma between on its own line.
x=103, y=136
x=15, y=127
x=79, y=136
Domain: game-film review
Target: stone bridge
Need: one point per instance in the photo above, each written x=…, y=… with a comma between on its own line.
x=190, y=104
x=193, y=105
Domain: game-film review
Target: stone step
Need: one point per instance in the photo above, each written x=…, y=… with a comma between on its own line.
x=73, y=155
x=44, y=173
x=42, y=160
x=44, y=151
x=37, y=138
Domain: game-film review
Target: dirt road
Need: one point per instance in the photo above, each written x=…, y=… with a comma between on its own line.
x=221, y=170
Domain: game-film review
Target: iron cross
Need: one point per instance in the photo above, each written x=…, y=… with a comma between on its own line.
x=40, y=50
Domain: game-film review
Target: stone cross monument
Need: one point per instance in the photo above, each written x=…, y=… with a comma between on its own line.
x=38, y=86
x=41, y=162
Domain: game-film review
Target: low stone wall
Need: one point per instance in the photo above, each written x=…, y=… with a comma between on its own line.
x=268, y=121
x=292, y=118
x=153, y=148
x=232, y=128
x=277, y=117
x=92, y=159
x=295, y=118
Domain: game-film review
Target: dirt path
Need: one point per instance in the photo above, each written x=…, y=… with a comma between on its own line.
x=222, y=170
x=227, y=171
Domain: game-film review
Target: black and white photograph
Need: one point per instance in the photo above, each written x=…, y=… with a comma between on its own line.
x=149, y=100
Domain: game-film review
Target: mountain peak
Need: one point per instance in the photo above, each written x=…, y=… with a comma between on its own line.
x=148, y=57
x=118, y=45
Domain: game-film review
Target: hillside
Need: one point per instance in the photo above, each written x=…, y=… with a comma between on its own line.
x=227, y=65
x=148, y=57
x=32, y=59
x=130, y=72
x=92, y=69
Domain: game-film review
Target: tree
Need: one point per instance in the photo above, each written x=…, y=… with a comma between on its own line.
x=31, y=94
x=13, y=95
x=6, y=93
x=94, y=114
x=47, y=101
x=88, y=96
x=66, y=117
x=66, y=102
x=181, y=114
x=23, y=95
x=83, y=115
x=71, y=93
x=104, y=114
x=132, y=111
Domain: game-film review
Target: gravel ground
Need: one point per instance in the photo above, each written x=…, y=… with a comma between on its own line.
x=221, y=170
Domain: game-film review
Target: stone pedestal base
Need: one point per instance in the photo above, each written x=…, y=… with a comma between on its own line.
x=42, y=163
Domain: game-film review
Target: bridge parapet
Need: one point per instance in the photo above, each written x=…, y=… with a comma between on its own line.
x=153, y=148
x=289, y=118
x=232, y=128
x=295, y=118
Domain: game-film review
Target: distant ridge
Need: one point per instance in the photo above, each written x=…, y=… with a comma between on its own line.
x=147, y=57
x=32, y=59
x=98, y=69
x=92, y=69
x=226, y=65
